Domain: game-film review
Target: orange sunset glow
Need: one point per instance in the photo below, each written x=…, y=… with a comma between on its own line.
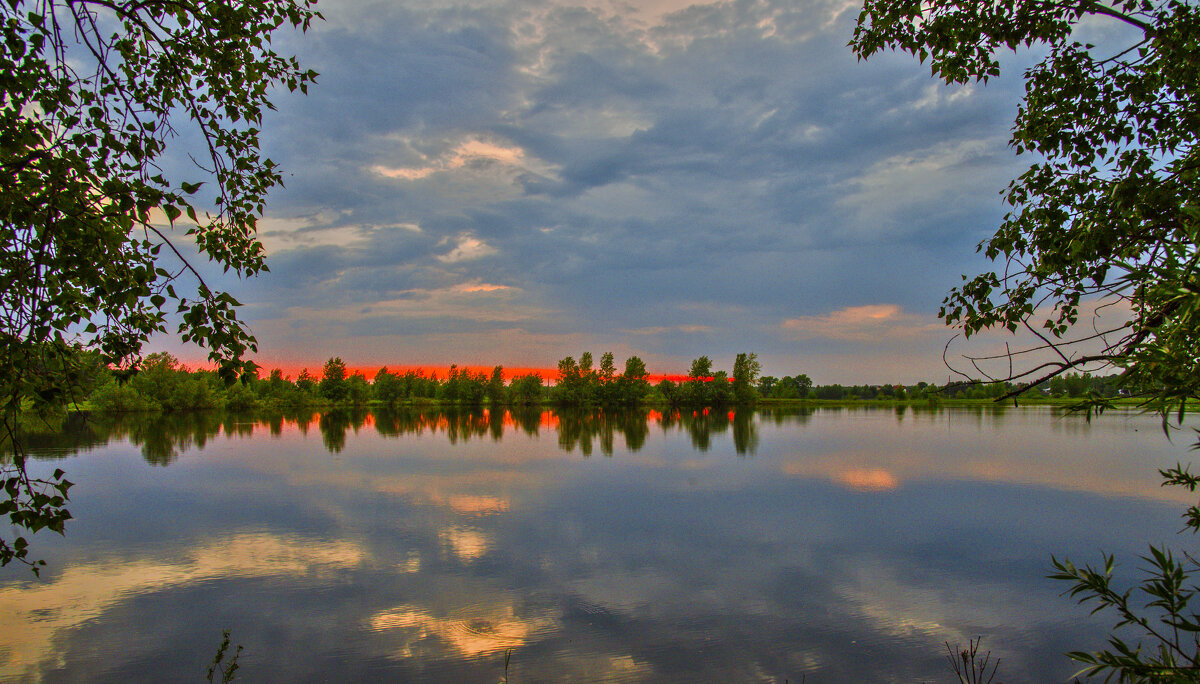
x=292, y=370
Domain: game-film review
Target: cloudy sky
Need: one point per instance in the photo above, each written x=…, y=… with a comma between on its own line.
x=514, y=181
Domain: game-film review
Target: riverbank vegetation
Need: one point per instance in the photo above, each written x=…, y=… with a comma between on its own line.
x=163, y=384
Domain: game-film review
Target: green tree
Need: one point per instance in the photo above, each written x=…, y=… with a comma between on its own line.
x=448, y=391
x=277, y=385
x=608, y=368
x=634, y=384
x=358, y=390
x=803, y=384
x=568, y=386
x=93, y=91
x=767, y=383
x=720, y=391
x=669, y=391
x=526, y=389
x=585, y=365
x=695, y=390
x=333, y=380
x=472, y=388
x=305, y=382
x=386, y=387
x=607, y=391
x=1107, y=216
x=745, y=371
x=495, y=386
x=239, y=397
x=168, y=386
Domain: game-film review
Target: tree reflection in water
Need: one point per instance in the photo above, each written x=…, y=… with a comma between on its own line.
x=163, y=437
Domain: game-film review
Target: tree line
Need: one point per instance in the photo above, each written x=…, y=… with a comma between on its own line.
x=162, y=383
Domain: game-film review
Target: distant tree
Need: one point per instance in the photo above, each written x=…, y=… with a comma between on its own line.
x=276, y=390
x=745, y=371
x=669, y=391
x=803, y=384
x=495, y=386
x=633, y=385
x=608, y=368
x=788, y=387
x=526, y=389
x=585, y=365
x=333, y=380
x=695, y=390
x=305, y=382
x=829, y=392
x=386, y=387
x=239, y=397
x=607, y=392
x=276, y=383
x=358, y=390
x=170, y=387
x=571, y=388
x=472, y=387
x=720, y=391
x=448, y=391
x=767, y=383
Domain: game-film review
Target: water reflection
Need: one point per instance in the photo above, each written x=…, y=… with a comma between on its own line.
x=841, y=545
x=864, y=462
x=162, y=438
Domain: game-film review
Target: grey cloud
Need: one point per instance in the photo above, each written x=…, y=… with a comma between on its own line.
x=706, y=161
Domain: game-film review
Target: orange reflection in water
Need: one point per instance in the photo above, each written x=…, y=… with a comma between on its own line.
x=487, y=631
x=33, y=612
x=872, y=480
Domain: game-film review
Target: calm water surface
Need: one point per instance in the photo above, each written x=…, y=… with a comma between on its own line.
x=840, y=545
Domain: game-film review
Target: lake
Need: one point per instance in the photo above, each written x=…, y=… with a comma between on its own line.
x=833, y=545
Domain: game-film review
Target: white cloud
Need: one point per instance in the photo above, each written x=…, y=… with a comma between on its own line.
x=320, y=229
x=472, y=154
x=466, y=248
x=939, y=95
x=662, y=329
x=872, y=322
x=926, y=181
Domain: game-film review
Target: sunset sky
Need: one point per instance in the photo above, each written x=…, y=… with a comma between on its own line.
x=512, y=182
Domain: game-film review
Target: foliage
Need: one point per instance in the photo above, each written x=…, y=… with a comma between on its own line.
x=222, y=667
x=745, y=371
x=633, y=385
x=358, y=390
x=119, y=397
x=494, y=391
x=240, y=397
x=694, y=390
x=1166, y=617
x=333, y=380
x=170, y=387
x=388, y=388
x=968, y=666
x=93, y=91
x=305, y=382
x=1108, y=216
x=165, y=386
x=526, y=389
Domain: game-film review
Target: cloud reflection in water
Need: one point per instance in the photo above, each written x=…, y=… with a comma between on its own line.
x=400, y=546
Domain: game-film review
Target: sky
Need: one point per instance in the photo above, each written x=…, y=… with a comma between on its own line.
x=512, y=182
